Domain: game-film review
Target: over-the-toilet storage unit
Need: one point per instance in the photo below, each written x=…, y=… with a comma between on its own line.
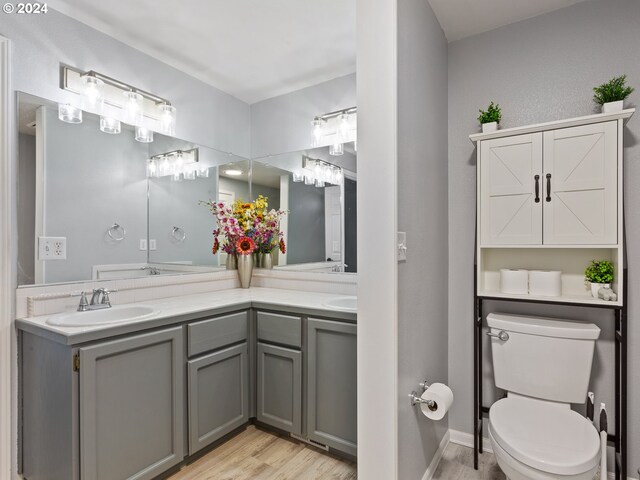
x=550, y=197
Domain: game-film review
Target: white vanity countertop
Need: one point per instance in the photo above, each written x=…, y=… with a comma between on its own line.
x=189, y=307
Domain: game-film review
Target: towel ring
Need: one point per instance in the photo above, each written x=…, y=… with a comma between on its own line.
x=178, y=234
x=117, y=232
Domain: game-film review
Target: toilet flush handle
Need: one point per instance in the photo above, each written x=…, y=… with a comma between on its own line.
x=501, y=335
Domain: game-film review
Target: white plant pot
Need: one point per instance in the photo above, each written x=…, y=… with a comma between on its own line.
x=595, y=287
x=489, y=127
x=611, y=107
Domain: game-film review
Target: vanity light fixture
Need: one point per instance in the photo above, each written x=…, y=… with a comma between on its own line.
x=335, y=129
x=179, y=164
x=69, y=114
x=110, y=125
x=318, y=173
x=103, y=95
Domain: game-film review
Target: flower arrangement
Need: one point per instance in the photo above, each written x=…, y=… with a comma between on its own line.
x=245, y=227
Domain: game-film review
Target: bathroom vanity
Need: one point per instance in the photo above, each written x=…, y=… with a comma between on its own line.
x=135, y=399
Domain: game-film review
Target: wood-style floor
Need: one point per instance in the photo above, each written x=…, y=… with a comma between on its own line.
x=257, y=455
x=457, y=464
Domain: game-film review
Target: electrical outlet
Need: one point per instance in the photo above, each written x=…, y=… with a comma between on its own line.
x=143, y=244
x=402, y=246
x=52, y=248
x=152, y=244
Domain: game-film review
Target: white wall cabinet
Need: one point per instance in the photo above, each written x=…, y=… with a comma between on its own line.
x=558, y=187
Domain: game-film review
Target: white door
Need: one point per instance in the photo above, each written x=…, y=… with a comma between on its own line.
x=511, y=190
x=227, y=198
x=333, y=223
x=580, y=185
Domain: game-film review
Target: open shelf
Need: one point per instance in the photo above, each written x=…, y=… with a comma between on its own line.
x=586, y=300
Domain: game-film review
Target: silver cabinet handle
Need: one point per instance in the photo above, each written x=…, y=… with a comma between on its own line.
x=501, y=335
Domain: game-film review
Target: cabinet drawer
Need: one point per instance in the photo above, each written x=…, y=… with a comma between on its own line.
x=216, y=332
x=282, y=329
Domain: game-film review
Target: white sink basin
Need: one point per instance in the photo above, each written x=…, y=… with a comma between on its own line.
x=105, y=316
x=343, y=303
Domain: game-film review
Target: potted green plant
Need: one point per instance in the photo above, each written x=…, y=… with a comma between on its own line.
x=490, y=118
x=599, y=274
x=611, y=95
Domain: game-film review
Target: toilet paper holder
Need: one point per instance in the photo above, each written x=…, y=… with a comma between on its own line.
x=418, y=400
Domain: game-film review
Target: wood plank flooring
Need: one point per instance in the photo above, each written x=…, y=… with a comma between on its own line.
x=258, y=455
x=457, y=464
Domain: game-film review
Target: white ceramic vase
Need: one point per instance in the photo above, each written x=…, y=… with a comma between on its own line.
x=611, y=107
x=489, y=127
x=595, y=287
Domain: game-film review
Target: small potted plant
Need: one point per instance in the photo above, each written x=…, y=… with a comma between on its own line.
x=490, y=118
x=611, y=95
x=599, y=274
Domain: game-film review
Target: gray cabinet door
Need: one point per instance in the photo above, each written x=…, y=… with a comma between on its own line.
x=131, y=406
x=280, y=388
x=218, y=395
x=332, y=409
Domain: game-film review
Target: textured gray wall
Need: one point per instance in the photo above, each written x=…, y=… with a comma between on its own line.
x=422, y=213
x=41, y=42
x=27, y=202
x=283, y=124
x=539, y=70
x=306, y=224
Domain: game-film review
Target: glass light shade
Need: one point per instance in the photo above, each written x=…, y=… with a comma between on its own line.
x=68, y=113
x=165, y=167
x=298, y=176
x=319, y=183
x=91, y=94
x=343, y=127
x=152, y=169
x=190, y=172
x=336, y=149
x=168, y=119
x=144, y=135
x=110, y=125
x=203, y=172
x=317, y=132
x=309, y=180
x=133, y=108
x=177, y=176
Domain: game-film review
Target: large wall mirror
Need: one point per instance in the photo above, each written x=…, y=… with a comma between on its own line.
x=95, y=206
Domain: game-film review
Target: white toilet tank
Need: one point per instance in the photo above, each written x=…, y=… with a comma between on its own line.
x=543, y=357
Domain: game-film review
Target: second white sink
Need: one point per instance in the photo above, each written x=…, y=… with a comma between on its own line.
x=102, y=317
x=343, y=303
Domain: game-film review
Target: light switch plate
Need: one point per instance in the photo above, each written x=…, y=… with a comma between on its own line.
x=152, y=244
x=52, y=248
x=143, y=244
x=402, y=246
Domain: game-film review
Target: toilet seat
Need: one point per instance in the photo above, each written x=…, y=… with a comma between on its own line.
x=546, y=436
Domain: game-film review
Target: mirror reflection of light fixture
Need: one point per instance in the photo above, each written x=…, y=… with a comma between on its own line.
x=318, y=173
x=110, y=125
x=144, y=135
x=69, y=114
x=91, y=95
x=336, y=149
x=203, y=172
x=298, y=176
x=343, y=127
x=168, y=119
x=179, y=164
x=232, y=172
x=133, y=108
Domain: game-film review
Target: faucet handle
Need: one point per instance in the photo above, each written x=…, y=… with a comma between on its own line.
x=83, y=306
x=105, y=296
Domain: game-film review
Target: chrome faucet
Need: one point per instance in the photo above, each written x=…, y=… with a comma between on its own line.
x=99, y=300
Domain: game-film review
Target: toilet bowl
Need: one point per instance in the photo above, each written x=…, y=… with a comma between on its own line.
x=539, y=440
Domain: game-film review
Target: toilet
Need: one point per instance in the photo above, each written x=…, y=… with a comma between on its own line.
x=544, y=365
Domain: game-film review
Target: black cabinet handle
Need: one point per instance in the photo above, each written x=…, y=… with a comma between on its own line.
x=548, y=187
x=537, y=179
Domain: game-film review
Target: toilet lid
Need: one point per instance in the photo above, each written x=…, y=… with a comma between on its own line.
x=549, y=437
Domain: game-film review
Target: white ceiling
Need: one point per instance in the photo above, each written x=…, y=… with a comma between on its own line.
x=463, y=18
x=251, y=49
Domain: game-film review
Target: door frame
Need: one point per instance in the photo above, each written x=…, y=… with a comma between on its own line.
x=7, y=281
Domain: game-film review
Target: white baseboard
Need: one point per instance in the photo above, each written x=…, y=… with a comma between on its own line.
x=431, y=470
x=466, y=439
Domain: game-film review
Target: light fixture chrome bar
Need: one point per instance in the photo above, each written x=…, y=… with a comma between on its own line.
x=308, y=161
x=65, y=84
x=347, y=111
x=195, y=151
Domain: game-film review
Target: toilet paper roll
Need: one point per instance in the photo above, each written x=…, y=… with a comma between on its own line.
x=545, y=283
x=514, y=281
x=443, y=398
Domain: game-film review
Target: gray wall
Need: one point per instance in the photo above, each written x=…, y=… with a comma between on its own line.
x=41, y=42
x=306, y=224
x=539, y=70
x=27, y=202
x=422, y=213
x=93, y=180
x=283, y=124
